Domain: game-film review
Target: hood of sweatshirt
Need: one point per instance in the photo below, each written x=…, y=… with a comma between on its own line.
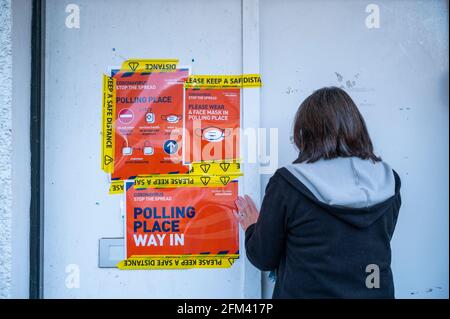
x=354, y=190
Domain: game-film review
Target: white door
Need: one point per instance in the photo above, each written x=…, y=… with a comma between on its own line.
x=78, y=211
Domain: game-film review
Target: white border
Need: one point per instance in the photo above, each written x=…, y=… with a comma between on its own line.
x=250, y=117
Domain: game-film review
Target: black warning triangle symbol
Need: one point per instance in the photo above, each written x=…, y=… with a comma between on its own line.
x=224, y=179
x=205, y=180
x=205, y=167
x=108, y=159
x=133, y=65
x=231, y=261
x=225, y=166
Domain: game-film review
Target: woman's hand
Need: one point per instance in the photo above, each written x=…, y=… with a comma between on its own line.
x=247, y=213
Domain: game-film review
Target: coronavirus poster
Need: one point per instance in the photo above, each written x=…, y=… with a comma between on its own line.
x=149, y=123
x=170, y=141
x=212, y=122
x=181, y=221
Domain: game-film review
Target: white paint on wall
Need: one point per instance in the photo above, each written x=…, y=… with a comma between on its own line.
x=5, y=148
x=20, y=221
x=15, y=59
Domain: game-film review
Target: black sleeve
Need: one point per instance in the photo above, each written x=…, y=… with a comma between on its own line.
x=265, y=240
x=398, y=199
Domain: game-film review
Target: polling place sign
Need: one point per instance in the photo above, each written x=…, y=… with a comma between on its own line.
x=181, y=222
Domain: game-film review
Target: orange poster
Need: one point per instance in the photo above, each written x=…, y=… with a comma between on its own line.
x=181, y=221
x=149, y=123
x=212, y=123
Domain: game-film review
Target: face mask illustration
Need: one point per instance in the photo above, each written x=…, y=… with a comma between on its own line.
x=212, y=133
x=171, y=118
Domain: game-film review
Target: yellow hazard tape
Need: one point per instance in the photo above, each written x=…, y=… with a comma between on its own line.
x=223, y=81
x=216, y=167
x=177, y=262
x=108, y=114
x=116, y=187
x=201, y=174
x=150, y=65
x=183, y=180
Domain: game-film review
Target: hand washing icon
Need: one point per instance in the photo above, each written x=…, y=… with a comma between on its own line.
x=150, y=117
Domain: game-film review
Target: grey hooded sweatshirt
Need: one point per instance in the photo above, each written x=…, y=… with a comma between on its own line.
x=325, y=227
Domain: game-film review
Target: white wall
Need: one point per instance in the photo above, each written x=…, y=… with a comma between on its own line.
x=21, y=62
x=5, y=149
x=401, y=87
x=15, y=59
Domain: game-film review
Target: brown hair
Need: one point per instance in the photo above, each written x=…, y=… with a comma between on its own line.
x=329, y=125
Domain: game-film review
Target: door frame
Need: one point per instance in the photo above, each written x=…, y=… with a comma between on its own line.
x=37, y=140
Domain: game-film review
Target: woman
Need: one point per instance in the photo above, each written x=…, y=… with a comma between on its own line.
x=326, y=220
